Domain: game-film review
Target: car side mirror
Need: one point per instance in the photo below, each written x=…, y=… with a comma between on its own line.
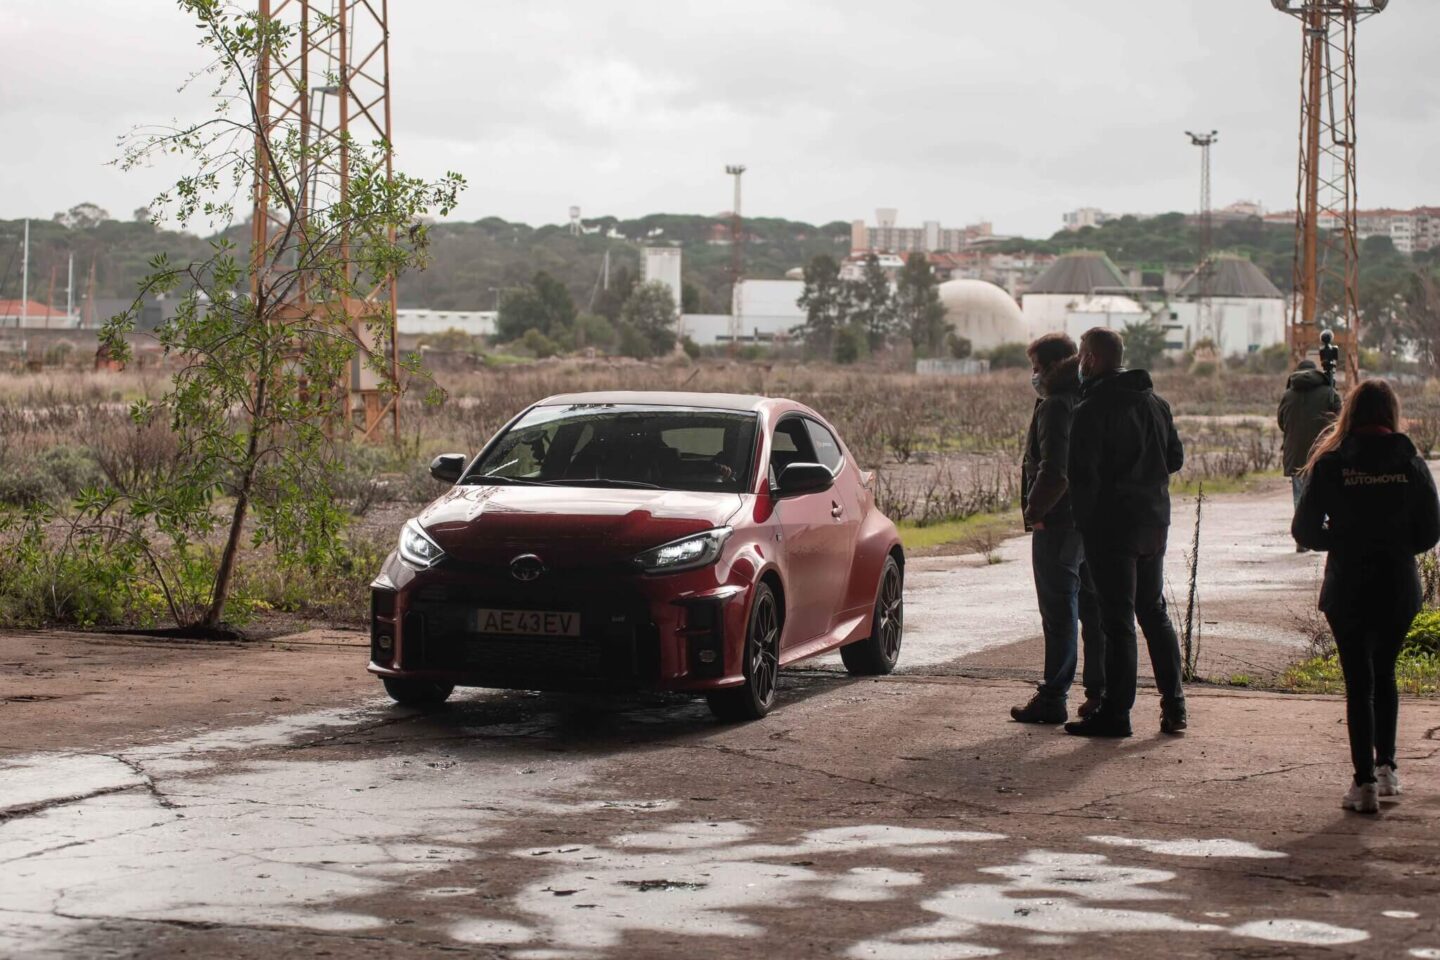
x=447, y=467
x=801, y=478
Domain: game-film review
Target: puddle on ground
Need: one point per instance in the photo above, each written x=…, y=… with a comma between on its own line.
x=1238, y=849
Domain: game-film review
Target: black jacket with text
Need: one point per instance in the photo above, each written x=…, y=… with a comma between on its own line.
x=1371, y=503
x=1123, y=448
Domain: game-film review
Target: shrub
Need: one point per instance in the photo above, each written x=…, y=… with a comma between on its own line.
x=1424, y=636
x=539, y=344
x=1205, y=369
x=691, y=348
x=1008, y=356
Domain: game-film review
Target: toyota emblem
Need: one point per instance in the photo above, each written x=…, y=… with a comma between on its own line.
x=527, y=567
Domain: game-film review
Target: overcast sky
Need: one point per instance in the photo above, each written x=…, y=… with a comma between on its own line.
x=1008, y=110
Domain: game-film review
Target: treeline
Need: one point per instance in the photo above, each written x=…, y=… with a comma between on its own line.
x=471, y=265
x=847, y=319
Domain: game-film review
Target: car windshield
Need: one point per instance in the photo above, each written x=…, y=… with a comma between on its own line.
x=623, y=445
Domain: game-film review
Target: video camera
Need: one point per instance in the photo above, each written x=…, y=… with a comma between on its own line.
x=1329, y=355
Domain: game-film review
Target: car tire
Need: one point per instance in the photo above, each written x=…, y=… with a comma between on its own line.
x=417, y=693
x=878, y=653
x=761, y=666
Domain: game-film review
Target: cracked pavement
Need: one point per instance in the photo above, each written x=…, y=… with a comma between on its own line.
x=162, y=799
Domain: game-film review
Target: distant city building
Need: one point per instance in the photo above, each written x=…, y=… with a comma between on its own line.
x=853, y=266
x=1412, y=231
x=477, y=323
x=1087, y=217
x=30, y=314
x=1065, y=285
x=769, y=311
x=886, y=237
x=662, y=264
x=1015, y=272
x=1235, y=307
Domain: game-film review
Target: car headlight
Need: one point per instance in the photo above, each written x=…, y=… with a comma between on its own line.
x=687, y=553
x=416, y=547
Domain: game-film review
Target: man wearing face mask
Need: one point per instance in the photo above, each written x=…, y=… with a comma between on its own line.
x=1062, y=582
x=1123, y=449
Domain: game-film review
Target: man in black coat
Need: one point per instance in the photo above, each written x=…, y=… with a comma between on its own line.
x=1309, y=405
x=1062, y=582
x=1123, y=449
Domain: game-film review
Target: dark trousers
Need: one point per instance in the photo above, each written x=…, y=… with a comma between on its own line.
x=1066, y=594
x=1129, y=574
x=1368, y=651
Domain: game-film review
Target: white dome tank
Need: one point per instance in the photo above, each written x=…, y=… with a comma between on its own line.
x=982, y=313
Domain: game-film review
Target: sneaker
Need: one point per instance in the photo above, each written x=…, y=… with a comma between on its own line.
x=1387, y=780
x=1040, y=709
x=1362, y=798
x=1173, y=719
x=1090, y=705
x=1100, y=724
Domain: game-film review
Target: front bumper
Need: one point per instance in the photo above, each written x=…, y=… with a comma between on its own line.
x=681, y=631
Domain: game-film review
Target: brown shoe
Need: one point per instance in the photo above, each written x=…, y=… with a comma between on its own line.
x=1090, y=705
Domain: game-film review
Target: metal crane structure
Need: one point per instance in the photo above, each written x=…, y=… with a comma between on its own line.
x=339, y=52
x=1327, y=251
x=737, y=260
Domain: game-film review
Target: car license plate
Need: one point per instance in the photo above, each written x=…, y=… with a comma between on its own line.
x=525, y=623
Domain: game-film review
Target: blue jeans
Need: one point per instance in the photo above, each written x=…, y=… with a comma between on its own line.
x=1067, y=595
x=1297, y=486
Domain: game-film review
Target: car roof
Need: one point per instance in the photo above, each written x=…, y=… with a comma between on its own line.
x=749, y=403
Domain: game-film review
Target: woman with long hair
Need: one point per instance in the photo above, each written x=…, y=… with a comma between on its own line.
x=1370, y=501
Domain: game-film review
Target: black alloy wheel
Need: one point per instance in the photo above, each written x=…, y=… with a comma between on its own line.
x=754, y=698
x=878, y=653
x=417, y=693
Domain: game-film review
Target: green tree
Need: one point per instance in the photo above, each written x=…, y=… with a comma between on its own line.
x=264, y=338
x=610, y=300
x=544, y=305
x=823, y=299
x=872, y=306
x=918, y=310
x=1144, y=344
x=650, y=314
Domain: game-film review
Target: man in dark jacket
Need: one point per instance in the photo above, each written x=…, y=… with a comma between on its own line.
x=1123, y=449
x=1062, y=582
x=1309, y=405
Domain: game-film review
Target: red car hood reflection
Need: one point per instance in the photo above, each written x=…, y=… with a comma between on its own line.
x=568, y=526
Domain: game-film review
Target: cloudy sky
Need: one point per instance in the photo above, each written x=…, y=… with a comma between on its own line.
x=1008, y=110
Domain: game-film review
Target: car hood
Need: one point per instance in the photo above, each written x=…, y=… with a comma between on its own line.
x=568, y=526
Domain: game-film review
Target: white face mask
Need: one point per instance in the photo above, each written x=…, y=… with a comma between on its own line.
x=1035, y=382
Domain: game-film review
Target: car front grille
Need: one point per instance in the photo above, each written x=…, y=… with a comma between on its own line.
x=618, y=643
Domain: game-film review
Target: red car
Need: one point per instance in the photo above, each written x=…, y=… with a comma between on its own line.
x=654, y=541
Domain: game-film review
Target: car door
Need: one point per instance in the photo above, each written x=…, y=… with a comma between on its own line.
x=809, y=528
x=845, y=513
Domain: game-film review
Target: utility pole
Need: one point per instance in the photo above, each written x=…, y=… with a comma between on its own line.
x=70, y=289
x=1326, y=276
x=737, y=260
x=25, y=279
x=1204, y=268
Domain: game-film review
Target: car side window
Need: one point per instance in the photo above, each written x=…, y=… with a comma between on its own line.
x=827, y=448
x=790, y=444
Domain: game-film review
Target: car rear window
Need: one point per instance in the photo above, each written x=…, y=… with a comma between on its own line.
x=670, y=448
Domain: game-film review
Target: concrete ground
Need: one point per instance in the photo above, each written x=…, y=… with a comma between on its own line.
x=163, y=799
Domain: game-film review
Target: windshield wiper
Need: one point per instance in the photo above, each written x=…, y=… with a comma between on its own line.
x=479, y=480
x=605, y=482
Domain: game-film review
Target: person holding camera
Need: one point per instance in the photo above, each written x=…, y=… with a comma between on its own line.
x=1369, y=501
x=1308, y=406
